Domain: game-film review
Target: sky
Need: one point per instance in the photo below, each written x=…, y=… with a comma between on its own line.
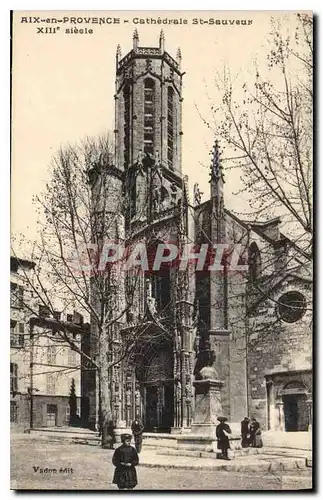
x=63, y=87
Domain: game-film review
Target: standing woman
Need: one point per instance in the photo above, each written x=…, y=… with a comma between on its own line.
x=125, y=459
x=255, y=434
x=137, y=430
x=245, y=432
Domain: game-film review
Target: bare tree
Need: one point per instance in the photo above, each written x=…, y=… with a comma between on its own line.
x=266, y=129
x=84, y=207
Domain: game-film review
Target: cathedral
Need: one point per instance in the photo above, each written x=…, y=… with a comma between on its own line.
x=207, y=342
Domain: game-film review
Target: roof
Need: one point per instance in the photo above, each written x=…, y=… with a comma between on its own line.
x=21, y=262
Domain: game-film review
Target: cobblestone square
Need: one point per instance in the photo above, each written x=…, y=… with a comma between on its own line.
x=45, y=465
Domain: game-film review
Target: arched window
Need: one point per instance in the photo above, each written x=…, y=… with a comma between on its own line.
x=160, y=280
x=170, y=126
x=254, y=262
x=149, y=115
x=126, y=97
x=161, y=290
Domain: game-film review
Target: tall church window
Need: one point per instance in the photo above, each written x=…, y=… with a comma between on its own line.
x=170, y=126
x=149, y=115
x=161, y=290
x=254, y=262
x=126, y=97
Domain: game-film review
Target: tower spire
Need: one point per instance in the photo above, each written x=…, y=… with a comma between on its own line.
x=118, y=54
x=135, y=39
x=217, y=196
x=179, y=57
x=162, y=41
x=216, y=165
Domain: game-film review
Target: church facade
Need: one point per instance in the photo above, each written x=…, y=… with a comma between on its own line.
x=252, y=327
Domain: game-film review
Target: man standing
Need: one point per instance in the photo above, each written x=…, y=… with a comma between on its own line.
x=245, y=432
x=222, y=433
x=125, y=459
x=137, y=430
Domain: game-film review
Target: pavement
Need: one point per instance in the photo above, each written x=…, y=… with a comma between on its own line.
x=38, y=463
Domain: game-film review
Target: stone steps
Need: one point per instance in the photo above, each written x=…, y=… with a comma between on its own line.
x=66, y=434
x=257, y=453
x=176, y=445
x=253, y=463
x=203, y=454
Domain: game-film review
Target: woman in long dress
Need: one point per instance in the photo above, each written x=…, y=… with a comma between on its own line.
x=222, y=433
x=255, y=434
x=125, y=459
x=137, y=430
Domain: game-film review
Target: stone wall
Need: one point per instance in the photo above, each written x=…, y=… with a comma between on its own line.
x=276, y=346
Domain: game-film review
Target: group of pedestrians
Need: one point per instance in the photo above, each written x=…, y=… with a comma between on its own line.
x=125, y=458
x=250, y=433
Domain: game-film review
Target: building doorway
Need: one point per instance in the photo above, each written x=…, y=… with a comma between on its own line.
x=151, y=418
x=289, y=402
x=159, y=406
x=158, y=389
x=290, y=413
x=168, y=414
x=295, y=412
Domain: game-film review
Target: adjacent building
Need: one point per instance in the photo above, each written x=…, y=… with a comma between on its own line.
x=45, y=372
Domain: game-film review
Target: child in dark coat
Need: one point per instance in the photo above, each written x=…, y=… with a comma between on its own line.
x=125, y=459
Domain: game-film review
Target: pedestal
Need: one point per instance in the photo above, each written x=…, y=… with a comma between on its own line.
x=207, y=406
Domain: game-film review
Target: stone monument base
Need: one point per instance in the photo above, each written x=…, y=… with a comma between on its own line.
x=207, y=407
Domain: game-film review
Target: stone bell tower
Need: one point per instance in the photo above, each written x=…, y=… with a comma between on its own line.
x=148, y=102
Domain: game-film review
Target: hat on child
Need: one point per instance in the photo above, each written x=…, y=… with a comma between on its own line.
x=124, y=437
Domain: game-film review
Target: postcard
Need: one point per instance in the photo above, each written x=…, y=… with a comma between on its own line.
x=161, y=259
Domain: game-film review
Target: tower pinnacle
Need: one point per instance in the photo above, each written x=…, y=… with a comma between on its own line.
x=118, y=53
x=217, y=196
x=162, y=41
x=179, y=57
x=216, y=166
x=135, y=39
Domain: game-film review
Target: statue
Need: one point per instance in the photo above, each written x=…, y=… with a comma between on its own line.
x=205, y=358
x=130, y=318
x=160, y=395
x=174, y=194
x=178, y=391
x=151, y=301
x=188, y=391
x=128, y=397
x=197, y=196
x=137, y=396
x=156, y=198
x=209, y=373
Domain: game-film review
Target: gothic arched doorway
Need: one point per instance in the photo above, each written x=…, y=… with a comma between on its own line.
x=157, y=382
